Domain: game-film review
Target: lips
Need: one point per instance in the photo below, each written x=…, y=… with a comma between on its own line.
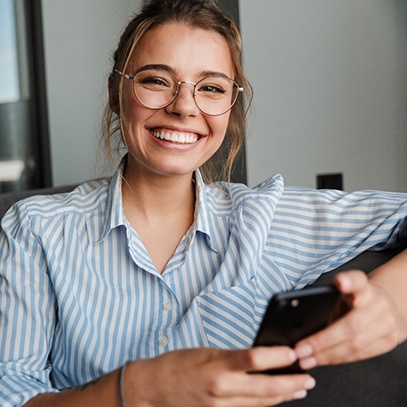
x=179, y=137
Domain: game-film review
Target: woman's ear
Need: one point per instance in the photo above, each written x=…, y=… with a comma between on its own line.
x=113, y=95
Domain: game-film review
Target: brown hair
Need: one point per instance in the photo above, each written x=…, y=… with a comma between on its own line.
x=196, y=13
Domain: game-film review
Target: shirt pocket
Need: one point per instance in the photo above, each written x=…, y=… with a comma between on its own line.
x=228, y=316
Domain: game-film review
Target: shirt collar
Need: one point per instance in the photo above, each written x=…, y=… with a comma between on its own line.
x=114, y=215
x=205, y=219
x=228, y=201
x=202, y=213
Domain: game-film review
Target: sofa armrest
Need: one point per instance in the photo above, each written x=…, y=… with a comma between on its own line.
x=367, y=262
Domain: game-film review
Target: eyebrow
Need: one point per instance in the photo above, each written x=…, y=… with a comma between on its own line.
x=163, y=67
x=159, y=67
x=214, y=73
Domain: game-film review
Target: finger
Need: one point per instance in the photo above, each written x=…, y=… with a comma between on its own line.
x=365, y=309
x=260, y=358
x=353, y=283
x=357, y=336
x=261, y=386
x=349, y=326
x=263, y=401
x=275, y=385
x=347, y=352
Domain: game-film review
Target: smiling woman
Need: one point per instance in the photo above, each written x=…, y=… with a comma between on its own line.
x=220, y=166
x=176, y=108
x=153, y=281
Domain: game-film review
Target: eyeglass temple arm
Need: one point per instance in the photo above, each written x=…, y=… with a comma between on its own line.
x=124, y=74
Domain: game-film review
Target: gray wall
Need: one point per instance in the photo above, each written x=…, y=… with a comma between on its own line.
x=330, y=83
x=80, y=36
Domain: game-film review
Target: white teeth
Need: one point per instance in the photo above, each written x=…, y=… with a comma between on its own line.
x=176, y=137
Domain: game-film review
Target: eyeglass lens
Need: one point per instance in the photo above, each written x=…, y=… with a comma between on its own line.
x=156, y=89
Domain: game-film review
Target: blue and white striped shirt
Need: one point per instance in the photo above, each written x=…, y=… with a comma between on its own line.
x=79, y=294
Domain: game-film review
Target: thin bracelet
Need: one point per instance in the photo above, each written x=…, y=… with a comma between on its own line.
x=121, y=379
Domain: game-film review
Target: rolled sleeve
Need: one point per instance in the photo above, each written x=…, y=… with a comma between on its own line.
x=315, y=231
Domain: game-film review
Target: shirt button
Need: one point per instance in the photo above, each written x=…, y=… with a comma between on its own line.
x=167, y=306
x=163, y=341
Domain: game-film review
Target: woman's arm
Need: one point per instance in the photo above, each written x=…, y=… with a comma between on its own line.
x=189, y=378
x=102, y=392
x=375, y=324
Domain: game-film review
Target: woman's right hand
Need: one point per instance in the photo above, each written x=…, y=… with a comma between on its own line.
x=214, y=377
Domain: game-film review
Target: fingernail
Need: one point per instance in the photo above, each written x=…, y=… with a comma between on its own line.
x=300, y=394
x=292, y=355
x=345, y=282
x=310, y=383
x=304, y=351
x=308, y=363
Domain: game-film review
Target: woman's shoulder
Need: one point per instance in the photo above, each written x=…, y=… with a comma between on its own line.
x=82, y=199
x=271, y=188
x=228, y=197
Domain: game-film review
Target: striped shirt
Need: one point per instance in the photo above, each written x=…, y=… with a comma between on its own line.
x=79, y=295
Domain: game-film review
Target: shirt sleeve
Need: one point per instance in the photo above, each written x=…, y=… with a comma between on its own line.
x=314, y=231
x=27, y=312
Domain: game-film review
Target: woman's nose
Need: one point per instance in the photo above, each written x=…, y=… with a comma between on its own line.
x=184, y=103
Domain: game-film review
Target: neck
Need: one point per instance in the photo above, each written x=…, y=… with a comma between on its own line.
x=152, y=197
x=161, y=210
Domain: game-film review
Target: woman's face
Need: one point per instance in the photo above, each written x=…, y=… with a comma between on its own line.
x=190, y=54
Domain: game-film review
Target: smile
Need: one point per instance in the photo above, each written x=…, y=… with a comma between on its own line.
x=175, y=136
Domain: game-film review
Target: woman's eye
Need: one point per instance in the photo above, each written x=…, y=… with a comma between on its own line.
x=154, y=81
x=211, y=89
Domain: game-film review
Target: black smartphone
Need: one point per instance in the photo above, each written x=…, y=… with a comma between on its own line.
x=294, y=315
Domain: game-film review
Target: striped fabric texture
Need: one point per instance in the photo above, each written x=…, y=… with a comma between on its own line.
x=79, y=295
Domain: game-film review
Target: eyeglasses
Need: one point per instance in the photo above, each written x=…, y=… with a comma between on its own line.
x=156, y=89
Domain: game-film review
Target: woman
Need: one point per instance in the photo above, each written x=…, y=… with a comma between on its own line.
x=147, y=288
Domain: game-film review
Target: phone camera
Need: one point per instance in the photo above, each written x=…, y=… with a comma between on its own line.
x=295, y=303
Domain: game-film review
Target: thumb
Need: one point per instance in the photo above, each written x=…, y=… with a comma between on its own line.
x=351, y=282
x=355, y=287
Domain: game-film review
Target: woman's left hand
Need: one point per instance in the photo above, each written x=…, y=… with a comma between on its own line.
x=369, y=328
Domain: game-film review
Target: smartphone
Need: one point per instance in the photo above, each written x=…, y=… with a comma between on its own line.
x=294, y=315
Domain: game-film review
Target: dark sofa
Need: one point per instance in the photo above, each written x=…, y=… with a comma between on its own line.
x=378, y=382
